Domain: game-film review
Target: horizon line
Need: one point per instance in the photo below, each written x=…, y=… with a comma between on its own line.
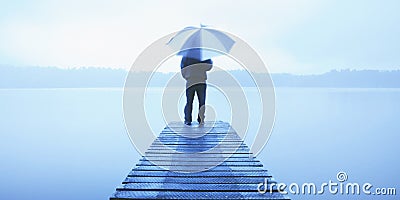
x=164, y=72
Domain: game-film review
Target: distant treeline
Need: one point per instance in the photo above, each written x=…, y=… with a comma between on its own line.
x=342, y=78
x=53, y=77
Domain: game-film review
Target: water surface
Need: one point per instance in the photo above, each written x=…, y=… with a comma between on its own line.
x=72, y=143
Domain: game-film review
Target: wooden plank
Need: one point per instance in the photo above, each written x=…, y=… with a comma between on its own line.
x=199, y=174
x=225, y=187
x=125, y=195
x=199, y=180
x=195, y=159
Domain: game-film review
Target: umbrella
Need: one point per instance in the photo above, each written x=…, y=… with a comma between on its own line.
x=201, y=42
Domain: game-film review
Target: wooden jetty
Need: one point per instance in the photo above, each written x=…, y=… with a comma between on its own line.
x=197, y=162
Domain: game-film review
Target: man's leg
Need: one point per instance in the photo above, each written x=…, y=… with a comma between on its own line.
x=189, y=103
x=201, y=95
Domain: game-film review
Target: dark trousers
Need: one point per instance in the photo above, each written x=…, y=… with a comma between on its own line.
x=200, y=90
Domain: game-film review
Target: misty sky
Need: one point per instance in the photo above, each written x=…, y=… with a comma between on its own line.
x=298, y=36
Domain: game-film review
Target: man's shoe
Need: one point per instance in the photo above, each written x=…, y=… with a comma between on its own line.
x=201, y=122
x=188, y=123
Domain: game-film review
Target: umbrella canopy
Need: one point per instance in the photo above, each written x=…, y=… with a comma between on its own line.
x=201, y=42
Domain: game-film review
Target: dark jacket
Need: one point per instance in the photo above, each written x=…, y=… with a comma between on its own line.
x=197, y=73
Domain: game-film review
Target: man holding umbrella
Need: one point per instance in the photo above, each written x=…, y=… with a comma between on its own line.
x=197, y=45
x=194, y=71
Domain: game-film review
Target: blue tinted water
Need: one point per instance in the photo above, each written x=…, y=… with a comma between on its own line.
x=72, y=144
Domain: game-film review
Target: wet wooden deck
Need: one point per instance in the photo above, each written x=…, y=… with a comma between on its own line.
x=197, y=162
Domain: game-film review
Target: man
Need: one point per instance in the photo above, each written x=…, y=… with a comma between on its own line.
x=194, y=72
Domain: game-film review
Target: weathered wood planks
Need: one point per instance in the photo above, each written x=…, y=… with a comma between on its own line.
x=197, y=162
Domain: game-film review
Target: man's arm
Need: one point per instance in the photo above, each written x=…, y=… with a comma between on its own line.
x=208, y=65
x=183, y=62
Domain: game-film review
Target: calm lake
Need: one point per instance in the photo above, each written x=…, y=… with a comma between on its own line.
x=72, y=143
